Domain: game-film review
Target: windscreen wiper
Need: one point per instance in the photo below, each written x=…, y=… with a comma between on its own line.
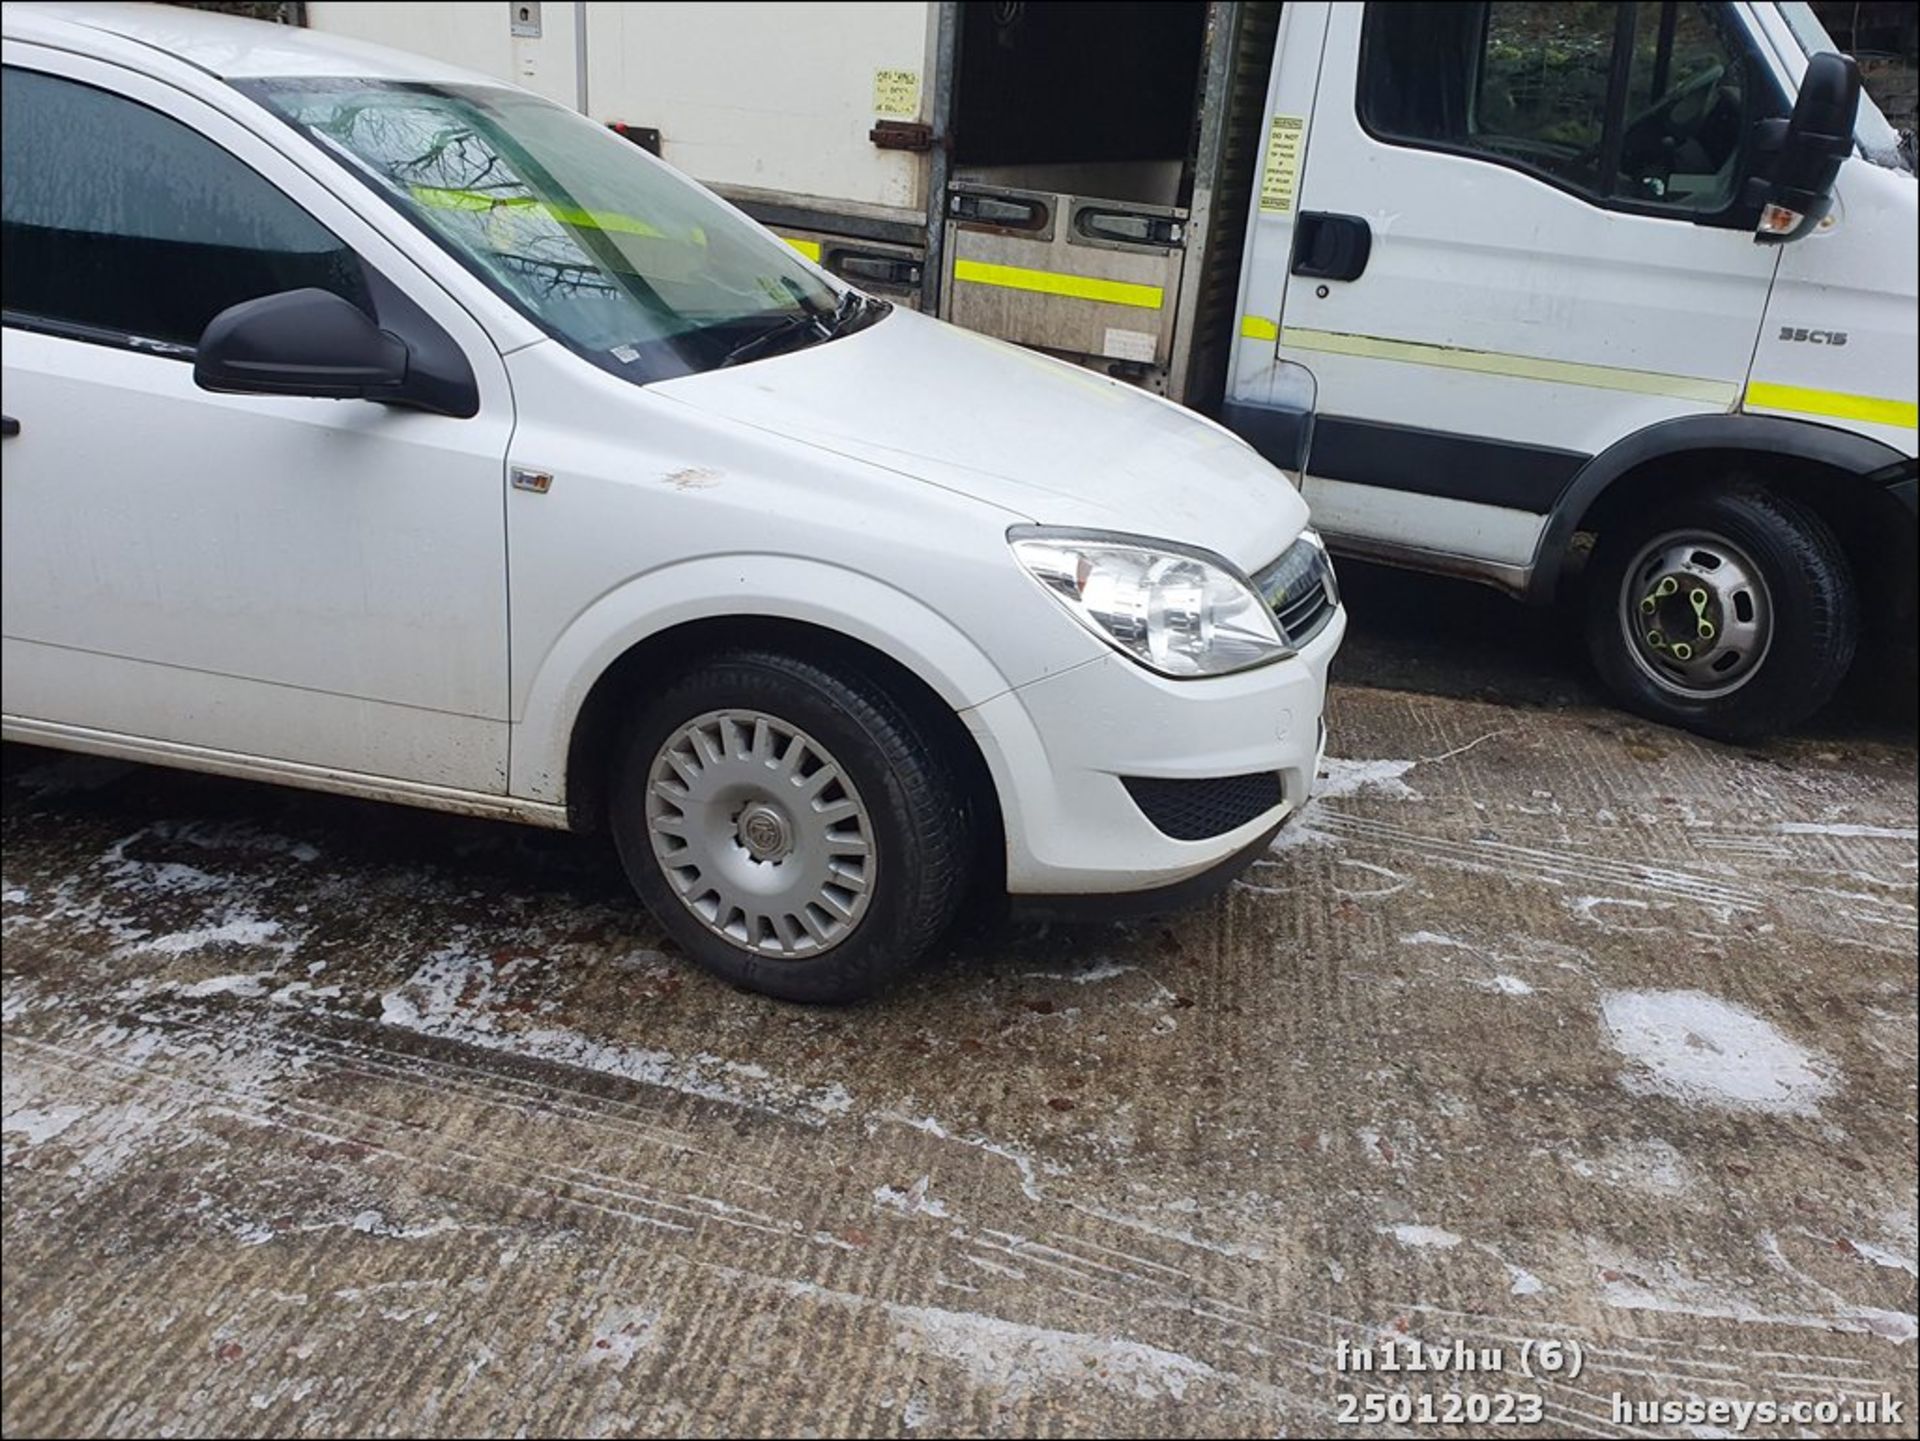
x=775, y=334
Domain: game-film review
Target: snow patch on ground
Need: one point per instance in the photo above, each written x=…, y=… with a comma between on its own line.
x=1342, y=777
x=1017, y=1359
x=910, y=1201
x=1524, y=1282
x=1701, y=1050
x=1844, y=828
x=1428, y=1237
x=1882, y=1256
x=622, y=1333
x=456, y=995
x=1507, y=986
x=40, y=1123
x=1099, y=971
x=1014, y=1358
x=236, y=931
x=1631, y=1283
x=1433, y=938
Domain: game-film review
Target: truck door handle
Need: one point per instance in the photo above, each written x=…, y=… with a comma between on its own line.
x=1129, y=227
x=1008, y=211
x=1330, y=247
x=9, y=427
x=874, y=269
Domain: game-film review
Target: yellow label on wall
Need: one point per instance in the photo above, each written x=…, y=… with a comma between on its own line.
x=1281, y=178
x=896, y=92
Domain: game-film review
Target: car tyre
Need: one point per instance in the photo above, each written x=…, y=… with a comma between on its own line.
x=1731, y=612
x=790, y=825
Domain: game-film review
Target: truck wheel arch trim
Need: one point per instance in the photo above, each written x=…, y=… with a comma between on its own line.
x=1861, y=456
x=732, y=588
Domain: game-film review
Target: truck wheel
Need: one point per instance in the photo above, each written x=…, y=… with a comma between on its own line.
x=789, y=826
x=1731, y=613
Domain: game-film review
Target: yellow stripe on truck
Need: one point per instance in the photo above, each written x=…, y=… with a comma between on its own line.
x=1840, y=406
x=1054, y=282
x=1258, y=327
x=808, y=248
x=1720, y=393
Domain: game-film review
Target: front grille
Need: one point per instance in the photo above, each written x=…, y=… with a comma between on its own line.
x=1199, y=810
x=1300, y=588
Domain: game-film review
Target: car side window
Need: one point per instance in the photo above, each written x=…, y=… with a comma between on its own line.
x=120, y=223
x=1537, y=85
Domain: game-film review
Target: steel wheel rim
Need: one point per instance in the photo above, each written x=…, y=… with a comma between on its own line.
x=1696, y=614
x=761, y=834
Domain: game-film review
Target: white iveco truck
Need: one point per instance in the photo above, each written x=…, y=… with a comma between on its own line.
x=1608, y=303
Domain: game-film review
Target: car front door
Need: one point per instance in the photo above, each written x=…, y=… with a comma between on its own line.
x=232, y=579
x=1520, y=237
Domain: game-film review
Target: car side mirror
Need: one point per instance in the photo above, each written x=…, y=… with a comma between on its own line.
x=300, y=342
x=1799, y=191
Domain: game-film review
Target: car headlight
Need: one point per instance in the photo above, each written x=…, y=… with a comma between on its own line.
x=1174, y=609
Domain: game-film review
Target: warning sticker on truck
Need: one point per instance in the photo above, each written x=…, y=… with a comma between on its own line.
x=896, y=92
x=1281, y=178
x=1119, y=344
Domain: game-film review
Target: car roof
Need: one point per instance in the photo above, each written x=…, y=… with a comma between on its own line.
x=227, y=46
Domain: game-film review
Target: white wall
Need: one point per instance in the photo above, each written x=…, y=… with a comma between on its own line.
x=778, y=96
x=772, y=95
x=475, y=34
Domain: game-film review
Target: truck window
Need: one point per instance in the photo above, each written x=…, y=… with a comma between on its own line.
x=1534, y=86
x=120, y=223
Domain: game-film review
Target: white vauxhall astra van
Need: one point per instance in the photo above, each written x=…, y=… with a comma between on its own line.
x=375, y=427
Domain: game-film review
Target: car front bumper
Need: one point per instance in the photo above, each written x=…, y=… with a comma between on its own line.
x=1058, y=748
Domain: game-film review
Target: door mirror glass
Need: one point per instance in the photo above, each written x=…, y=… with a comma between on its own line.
x=300, y=342
x=1819, y=138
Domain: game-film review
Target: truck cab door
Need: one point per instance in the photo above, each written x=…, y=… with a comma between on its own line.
x=1519, y=235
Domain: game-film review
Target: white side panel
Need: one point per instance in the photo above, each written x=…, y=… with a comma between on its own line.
x=168, y=706
x=774, y=96
x=476, y=37
x=769, y=95
x=1839, y=346
x=1429, y=523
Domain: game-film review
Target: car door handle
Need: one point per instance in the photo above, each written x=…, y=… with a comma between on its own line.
x=9, y=427
x=1331, y=247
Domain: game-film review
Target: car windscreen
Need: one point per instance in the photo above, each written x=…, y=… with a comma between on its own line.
x=609, y=250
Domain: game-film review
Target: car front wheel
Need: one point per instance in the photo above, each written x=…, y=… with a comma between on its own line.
x=790, y=826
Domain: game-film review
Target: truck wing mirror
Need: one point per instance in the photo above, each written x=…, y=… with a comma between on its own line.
x=1799, y=191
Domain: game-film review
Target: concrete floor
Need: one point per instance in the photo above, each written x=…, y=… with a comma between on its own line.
x=1544, y=1025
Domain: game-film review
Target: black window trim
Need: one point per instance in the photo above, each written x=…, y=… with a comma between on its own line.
x=1739, y=213
x=95, y=335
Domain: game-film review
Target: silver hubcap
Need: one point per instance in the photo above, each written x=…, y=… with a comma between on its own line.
x=1696, y=613
x=760, y=833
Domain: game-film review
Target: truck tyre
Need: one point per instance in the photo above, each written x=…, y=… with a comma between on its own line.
x=1731, y=612
x=789, y=826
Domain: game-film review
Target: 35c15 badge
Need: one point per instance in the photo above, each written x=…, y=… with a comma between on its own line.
x=1813, y=337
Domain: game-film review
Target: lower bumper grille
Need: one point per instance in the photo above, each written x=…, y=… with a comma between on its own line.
x=1200, y=810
